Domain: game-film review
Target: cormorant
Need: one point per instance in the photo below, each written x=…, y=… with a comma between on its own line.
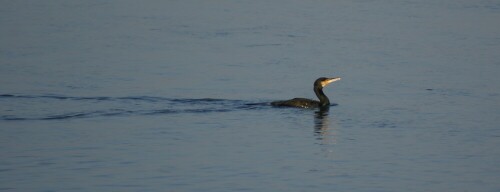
x=308, y=103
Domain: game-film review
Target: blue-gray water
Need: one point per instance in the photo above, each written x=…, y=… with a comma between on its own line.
x=154, y=95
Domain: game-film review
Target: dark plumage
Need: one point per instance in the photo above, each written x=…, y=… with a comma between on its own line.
x=308, y=103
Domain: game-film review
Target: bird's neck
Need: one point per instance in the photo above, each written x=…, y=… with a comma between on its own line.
x=323, y=99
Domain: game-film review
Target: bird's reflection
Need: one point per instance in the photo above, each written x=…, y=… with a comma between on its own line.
x=322, y=129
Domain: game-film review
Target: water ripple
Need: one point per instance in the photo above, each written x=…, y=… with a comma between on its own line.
x=60, y=107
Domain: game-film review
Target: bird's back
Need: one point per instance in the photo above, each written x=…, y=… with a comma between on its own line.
x=297, y=102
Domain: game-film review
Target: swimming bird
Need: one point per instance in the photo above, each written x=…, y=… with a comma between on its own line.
x=319, y=84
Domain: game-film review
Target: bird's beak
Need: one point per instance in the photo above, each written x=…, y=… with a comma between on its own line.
x=329, y=80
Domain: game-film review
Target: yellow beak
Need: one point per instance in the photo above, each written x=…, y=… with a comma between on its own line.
x=329, y=80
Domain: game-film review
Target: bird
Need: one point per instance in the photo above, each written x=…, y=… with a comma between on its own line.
x=323, y=102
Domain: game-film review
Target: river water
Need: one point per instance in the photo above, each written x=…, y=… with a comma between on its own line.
x=173, y=96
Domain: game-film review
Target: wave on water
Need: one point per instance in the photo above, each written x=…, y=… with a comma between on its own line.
x=58, y=107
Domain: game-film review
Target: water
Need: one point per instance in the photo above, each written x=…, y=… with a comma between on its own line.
x=172, y=96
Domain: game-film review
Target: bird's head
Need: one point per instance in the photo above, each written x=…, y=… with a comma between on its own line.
x=323, y=81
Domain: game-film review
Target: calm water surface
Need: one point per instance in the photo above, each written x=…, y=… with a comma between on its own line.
x=172, y=96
